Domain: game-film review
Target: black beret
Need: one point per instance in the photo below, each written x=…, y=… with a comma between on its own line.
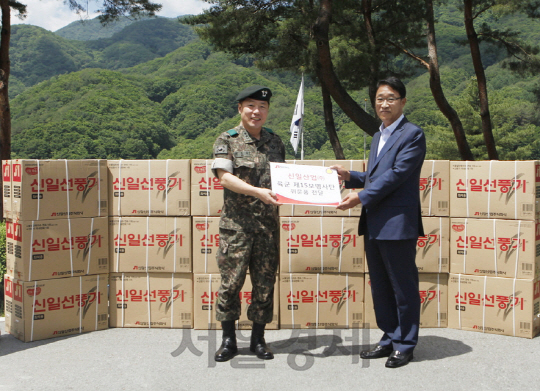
x=255, y=92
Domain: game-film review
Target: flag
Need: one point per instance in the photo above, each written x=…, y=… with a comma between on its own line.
x=297, y=124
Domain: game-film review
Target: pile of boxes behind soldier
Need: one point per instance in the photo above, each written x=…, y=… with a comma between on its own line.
x=477, y=263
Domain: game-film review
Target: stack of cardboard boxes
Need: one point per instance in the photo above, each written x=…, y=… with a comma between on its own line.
x=322, y=262
x=150, y=244
x=154, y=226
x=494, y=263
x=57, y=247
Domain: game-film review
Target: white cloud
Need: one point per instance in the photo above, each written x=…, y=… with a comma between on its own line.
x=173, y=8
x=54, y=14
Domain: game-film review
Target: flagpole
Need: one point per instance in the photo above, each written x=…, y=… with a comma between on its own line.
x=302, y=122
x=302, y=133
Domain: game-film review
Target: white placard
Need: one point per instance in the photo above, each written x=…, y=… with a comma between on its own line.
x=305, y=185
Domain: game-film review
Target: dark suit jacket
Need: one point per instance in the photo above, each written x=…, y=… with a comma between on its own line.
x=391, y=196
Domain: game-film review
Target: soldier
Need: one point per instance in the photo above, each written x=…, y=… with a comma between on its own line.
x=248, y=227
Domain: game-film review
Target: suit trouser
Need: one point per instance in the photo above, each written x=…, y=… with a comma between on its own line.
x=394, y=286
x=237, y=252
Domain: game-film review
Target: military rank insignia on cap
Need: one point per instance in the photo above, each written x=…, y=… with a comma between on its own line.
x=255, y=92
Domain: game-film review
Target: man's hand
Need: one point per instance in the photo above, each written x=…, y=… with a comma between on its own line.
x=267, y=196
x=237, y=185
x=343, y=174
x=350, y=201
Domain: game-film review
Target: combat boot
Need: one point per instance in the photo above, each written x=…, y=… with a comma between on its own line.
x=258, y=344
x=228, y=348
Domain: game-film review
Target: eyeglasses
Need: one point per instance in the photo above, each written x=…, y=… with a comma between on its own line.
x=389, y=100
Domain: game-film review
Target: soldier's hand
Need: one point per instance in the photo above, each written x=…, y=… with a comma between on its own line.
x=268, y=197
x=343, y=173
x=350, y=201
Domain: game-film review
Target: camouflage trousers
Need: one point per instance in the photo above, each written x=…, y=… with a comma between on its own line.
x=239, y=251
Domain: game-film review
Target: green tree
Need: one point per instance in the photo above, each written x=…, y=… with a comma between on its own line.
x=323, y=38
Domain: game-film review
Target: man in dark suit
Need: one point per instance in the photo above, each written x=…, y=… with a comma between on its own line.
x=391, y=223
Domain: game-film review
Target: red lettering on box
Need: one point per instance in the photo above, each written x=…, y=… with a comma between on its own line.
x=17, y=174
x=200, y=169
x=17, y=232
x=7, y=172
x=8, y=287
x=288, y=227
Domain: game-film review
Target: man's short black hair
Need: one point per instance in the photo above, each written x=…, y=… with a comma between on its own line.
x=394, y=83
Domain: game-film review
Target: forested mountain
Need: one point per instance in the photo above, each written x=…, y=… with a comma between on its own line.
x=154, y=90
x=91, y=29
x=38, y=54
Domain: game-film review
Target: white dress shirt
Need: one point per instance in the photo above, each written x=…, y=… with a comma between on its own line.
x=387, y=132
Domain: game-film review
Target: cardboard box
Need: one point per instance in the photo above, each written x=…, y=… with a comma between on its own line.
x=494, y=189
x=435, y=188
x=310, y=210
x=433, y=297
x=315, y=244
x=433, y=249
x=323, y=301
x=44, y=309
x=205, y=244
x=150, y=244
x=42, y=249
x=58, y=189
x=149, y=187
x=205, y=293
x=494, y=305
x=206, y=190
x=151, y=300
x=6, y=188
x=498, y=248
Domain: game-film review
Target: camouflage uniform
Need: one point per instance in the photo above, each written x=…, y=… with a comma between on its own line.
x=248, y=228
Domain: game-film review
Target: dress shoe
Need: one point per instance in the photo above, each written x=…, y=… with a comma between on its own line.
x=398, y=359
x=258, y=344
x=227, y=350
x=377, y=352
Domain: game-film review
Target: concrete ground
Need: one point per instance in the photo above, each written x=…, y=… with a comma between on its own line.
x=165, y=359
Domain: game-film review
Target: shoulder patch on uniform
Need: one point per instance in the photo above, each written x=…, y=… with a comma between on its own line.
x=220, y=149
x=232, y=132
x=269, y=130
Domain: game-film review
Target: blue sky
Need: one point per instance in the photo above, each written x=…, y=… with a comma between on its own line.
x=54, y=14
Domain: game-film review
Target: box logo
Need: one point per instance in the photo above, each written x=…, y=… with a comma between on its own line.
x=458, y=227
x=33, y=292
x=14, y=231
x=8, y=287
x=288, y=227
x=7, y=172
x=32, y=170
x=200, y=169
x=202, y=227
x=17, y=174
